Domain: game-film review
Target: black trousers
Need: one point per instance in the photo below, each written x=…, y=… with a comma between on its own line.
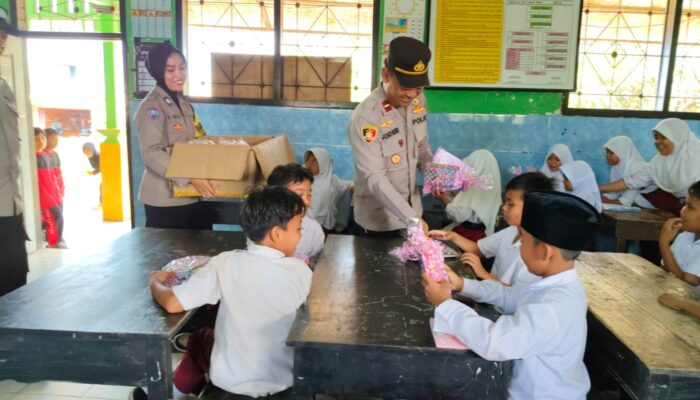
x=192, y=216
x=13, y=254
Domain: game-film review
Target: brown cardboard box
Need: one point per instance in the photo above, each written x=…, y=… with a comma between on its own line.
x=231, y=168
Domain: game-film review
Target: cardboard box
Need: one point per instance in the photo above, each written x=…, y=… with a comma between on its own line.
x=231, y=168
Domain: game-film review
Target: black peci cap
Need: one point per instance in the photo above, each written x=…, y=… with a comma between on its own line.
x=560, y=219
x=408, y=59
x=5, y=24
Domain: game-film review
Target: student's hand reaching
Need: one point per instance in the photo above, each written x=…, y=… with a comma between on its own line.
x=442, y=195
x=474, y=262
x=669, y=231
x=456, y=281
x=160, y=276
x=671, y=301
x=441, y=235
x=435, y=292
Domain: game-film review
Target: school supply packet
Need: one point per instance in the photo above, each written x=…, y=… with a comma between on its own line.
x=447, y=172
x=428, y=252
x=183, y=268
x=446, y=340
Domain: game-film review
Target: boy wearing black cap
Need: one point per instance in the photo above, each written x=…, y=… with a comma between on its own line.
x=13, y=263
x=389, y=137
x=543, y=326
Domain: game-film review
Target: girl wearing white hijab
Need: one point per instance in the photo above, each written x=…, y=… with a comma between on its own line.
x=330, y=195
x=558, y=155
x=625, y=160
x=672, y=170
x=475, y=210
x=579, y=180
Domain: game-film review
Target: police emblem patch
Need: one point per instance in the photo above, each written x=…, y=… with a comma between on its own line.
x=369, y=132
x=153, y=112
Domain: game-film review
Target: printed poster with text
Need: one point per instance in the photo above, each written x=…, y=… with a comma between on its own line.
x=529, y=44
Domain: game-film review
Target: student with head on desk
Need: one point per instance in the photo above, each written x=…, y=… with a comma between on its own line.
x=259, y=290
x=679, y=241
x=543, y=326
x=165, y=117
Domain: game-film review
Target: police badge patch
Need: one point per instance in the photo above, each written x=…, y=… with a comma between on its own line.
x=369, y=132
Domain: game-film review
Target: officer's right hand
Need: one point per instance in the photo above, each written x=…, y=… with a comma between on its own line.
x=204, y=187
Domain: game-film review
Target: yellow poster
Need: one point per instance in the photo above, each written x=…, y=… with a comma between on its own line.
x=468, y=41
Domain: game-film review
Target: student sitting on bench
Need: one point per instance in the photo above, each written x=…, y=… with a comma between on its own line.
x=680, y=251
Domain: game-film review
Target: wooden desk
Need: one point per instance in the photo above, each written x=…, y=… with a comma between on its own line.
x=634, y=225
x=652, y=351
x=365, y=332
x=96, y=322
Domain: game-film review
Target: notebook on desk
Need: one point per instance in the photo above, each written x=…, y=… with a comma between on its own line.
x=620, y=207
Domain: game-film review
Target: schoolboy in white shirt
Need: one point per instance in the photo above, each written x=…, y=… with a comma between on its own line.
x=259, y=289
x=504, y=245
x=680, y=251
x=299, y=179
x=543, y=326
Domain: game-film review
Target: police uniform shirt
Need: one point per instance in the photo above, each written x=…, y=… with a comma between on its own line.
x=686, y=252
x=160, y=124
x=388, y=145
x=543, y=329
x=10, y=192
x=260, y=291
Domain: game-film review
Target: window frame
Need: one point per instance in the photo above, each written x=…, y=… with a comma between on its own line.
x=181, y=27
x=667, y=65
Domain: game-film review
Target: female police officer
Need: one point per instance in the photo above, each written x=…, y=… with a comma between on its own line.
x=163, y=118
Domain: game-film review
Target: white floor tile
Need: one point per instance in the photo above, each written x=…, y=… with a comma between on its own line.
x=32, y=396
x=56, y=388
x=108, y=392
x=11, y=386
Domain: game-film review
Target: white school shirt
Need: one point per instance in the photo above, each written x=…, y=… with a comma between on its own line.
x=312, y=238
x=507, y=266
x=260, y=291
x=542, y=329
x=686, y=252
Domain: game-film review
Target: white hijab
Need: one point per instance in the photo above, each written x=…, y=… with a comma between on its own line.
x=675, y=172
x=484, y=202
x=564, y=154
x=631, y=161
x=583, y=180
x=325, y=191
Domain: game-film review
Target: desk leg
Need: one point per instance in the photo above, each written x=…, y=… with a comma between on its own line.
x=159, y=370
x=620, y=245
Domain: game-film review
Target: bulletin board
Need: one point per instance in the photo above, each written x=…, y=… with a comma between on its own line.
x=403, y=18
x=508, y=44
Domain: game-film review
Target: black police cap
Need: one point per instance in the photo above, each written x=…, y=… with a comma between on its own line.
x=408, y=59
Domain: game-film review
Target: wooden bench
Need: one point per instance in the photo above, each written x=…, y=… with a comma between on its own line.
x=365, y=332
x=95, y=321
x=652, y=351
x=634, y=225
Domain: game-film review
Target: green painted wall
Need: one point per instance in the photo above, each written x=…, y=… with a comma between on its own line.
x=5, y=4
x=481, y=101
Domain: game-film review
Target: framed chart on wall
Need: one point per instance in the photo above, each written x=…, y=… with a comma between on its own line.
x=507, y=44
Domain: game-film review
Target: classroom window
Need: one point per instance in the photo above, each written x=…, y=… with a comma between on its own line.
x=324, y=52
x=75, y=16
x=639, y=55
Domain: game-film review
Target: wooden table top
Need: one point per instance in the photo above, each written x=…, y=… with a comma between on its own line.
x=108, y=292
x=645, y=215
x=363, y=296
x=622, y=294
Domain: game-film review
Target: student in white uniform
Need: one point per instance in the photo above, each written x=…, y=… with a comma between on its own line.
x=504, y=245
x=543, y=326
x=579, y=180
x=625, y=160
x=679, y=241
x=331, y=195
x=558, y=155
x=259, y=290
x=474, y=211
x=299, y=180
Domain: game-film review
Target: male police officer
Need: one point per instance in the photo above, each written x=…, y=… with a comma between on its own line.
x=389, y=137
x=13, y=255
